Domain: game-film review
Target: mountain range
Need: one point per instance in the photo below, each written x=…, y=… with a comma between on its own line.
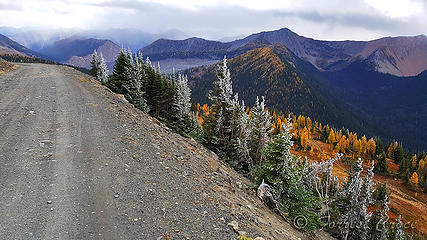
x=400, y=56
x=373, y=87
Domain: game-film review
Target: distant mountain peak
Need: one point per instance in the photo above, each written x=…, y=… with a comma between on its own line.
x=64, y=49
x=8, y=46
x=77, y=51
x=195, y=38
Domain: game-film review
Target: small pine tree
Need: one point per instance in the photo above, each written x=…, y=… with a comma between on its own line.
x=217, y=125
x=240, y=134
x=379, y=146
x=120, y=73
x=381, y=166
x=397, y=153
x=127, y=79
x=221, y=99
x=380, y=193
x=367, y=186
x=326, y=186
x=132, y=85
x=284, y=172
x=103, y=70
x=414, y=161
x=260, y=122
x=398, y=232
x=182, y=98
x=378, y=223
x=371, y=147
x=182, y=121
x=353, y=217
x=94, y=71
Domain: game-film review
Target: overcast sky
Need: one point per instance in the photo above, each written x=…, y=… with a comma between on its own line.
x=215, y=19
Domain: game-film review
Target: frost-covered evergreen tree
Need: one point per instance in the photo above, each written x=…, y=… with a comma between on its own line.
x=99, y=68
x=148, y=62
x=378, y=223
x=240, y=132
x=353, y=218
x=182, y=98
x=94, y=71
x=318, y=177
x=261, y=129
x=221, y=99
x=368, y=186
x=158, y=68
x=103, y=70
x=142, y=68
x=127, y=79
x=218, y=124
x=133, y=84
x=285, y=174
x=398, y=232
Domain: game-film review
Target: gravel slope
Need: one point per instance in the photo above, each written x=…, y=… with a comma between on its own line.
x=78, y=162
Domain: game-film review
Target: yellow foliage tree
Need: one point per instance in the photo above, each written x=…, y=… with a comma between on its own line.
x=414, y=179
x=309, y=123
x=422, y=168
x=414, y=161
x=353, y=138
x=304, y=138
x=364, y=145
x=331, y=137
x=372, y=146
x=341, y=145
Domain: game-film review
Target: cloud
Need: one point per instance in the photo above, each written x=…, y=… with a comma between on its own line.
x=129, y=5
x=7, y=6
x=396, y=8
x=214, y=19
x=359, y=20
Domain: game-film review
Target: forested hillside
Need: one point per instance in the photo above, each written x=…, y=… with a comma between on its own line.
x=289, y=85
x=394, y=106
x=357, y=97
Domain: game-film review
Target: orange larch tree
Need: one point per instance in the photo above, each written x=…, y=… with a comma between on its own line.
x=414, y=179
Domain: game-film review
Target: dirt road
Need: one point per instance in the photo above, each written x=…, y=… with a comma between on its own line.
x=77, y=162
